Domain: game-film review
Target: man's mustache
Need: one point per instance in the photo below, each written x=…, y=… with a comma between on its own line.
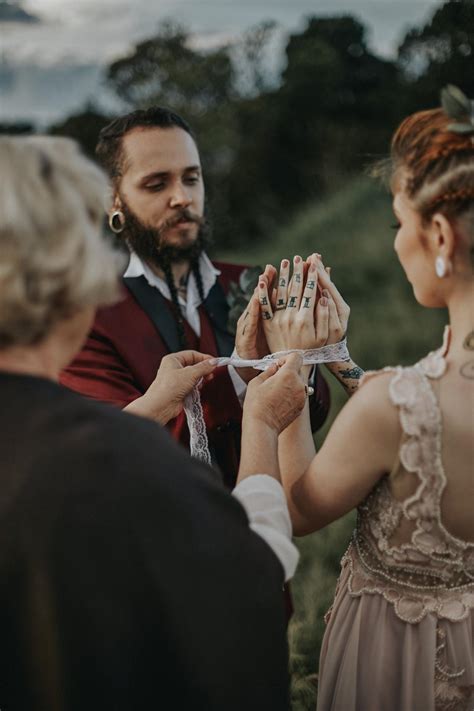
x=183, y=215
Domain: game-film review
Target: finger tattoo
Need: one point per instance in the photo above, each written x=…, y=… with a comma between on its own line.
x=264, y=301
x=310, y=284
x=282, y=282
x=266, y=316
x=298, y=278
x=292, y=302
x=306, y=304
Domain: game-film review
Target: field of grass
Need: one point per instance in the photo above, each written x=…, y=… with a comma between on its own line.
x=351, y=230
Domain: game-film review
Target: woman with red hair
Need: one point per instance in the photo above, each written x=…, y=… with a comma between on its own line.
x=400, y=633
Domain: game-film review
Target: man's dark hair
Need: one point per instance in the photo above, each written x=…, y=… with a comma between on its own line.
x=109, y=148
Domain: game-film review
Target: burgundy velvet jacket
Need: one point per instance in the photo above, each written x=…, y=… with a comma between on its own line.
x=128, y=340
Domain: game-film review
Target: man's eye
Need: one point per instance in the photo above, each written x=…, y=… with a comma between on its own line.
x=155, y=187
x=192, y=180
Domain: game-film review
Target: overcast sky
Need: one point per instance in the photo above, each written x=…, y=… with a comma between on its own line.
x=91, y=33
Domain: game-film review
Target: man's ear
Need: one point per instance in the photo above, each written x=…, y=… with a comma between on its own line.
x=442, y=237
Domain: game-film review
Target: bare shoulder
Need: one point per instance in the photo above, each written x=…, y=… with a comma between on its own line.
x=372, y=407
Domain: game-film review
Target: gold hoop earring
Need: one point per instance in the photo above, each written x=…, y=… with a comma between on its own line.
x=117, y=221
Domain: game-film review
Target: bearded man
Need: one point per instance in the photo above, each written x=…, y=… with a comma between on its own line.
x=174, y=296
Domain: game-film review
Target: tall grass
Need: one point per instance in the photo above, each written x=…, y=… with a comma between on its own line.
x=351, y=229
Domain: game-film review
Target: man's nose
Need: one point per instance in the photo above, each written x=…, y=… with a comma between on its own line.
x=179, y=196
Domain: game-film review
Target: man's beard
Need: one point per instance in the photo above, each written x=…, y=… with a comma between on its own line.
x=150, y=243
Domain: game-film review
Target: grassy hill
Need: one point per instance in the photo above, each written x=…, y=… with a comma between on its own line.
x=351, y=230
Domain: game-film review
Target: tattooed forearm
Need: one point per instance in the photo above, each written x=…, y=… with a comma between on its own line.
x=348, y=373
x=355, y=373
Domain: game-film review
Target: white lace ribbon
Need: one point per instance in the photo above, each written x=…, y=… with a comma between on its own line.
x=198, y=442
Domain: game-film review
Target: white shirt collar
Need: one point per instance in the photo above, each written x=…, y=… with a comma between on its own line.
x=137, y=267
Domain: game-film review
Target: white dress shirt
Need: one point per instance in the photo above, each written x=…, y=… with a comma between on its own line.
x=189, y=307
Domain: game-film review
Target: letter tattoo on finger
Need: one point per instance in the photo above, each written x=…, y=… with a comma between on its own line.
x=264, y=301
x=298, y=278
x=306, y=303
x=266, y=316
x=292, y=302
x=282, y=282
x=310, y=284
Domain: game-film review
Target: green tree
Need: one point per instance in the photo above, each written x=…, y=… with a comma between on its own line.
x=440, y=53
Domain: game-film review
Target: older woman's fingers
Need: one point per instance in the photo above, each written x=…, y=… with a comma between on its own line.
x=296, y=285
x=265, y=305
x=322, y=322
x=282, y=290
x=335, y=331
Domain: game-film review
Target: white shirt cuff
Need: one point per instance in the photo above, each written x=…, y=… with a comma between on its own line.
x=264, y=501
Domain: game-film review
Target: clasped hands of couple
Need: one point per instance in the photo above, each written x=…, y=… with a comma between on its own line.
x=297, y=312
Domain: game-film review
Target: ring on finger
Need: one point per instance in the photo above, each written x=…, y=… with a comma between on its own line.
x=308, y=390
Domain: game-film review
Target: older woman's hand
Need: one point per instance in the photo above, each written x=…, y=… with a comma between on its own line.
x=276, y=396
x=177, y=375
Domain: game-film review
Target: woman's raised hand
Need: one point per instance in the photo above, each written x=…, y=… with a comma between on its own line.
x=307, y=310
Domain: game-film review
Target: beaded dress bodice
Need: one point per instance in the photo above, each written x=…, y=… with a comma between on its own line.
x=400, y=548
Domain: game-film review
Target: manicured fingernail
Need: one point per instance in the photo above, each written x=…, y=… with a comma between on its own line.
x=323, y=301
x=325, y=292
x=285, y=263
x=297, y=260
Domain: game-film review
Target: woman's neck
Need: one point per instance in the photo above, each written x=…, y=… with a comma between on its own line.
x=30, y=360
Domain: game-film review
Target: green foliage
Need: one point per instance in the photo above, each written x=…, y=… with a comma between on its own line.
x=440, y=53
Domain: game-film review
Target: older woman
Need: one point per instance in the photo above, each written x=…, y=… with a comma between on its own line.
x=400, y=633
x=129, y=579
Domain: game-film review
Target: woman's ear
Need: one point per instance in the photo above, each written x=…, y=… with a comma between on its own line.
x=441, y=237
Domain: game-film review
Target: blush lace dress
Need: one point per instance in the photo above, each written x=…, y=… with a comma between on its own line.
x=400, y=633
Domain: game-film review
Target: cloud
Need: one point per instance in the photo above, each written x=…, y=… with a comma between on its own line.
x=13, y=12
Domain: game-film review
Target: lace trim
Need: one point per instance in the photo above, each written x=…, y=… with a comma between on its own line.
x=198, y=442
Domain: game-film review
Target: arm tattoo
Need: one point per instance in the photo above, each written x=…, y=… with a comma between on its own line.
x=355, y=373
x=468, y=344
x=467, y=370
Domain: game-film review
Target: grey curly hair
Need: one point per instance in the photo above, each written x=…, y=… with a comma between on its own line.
x=54, y=259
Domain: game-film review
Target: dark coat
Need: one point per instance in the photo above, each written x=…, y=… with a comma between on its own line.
x=129, y=578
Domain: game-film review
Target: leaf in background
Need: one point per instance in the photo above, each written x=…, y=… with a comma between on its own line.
x=464, y=128
x=455, y=103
